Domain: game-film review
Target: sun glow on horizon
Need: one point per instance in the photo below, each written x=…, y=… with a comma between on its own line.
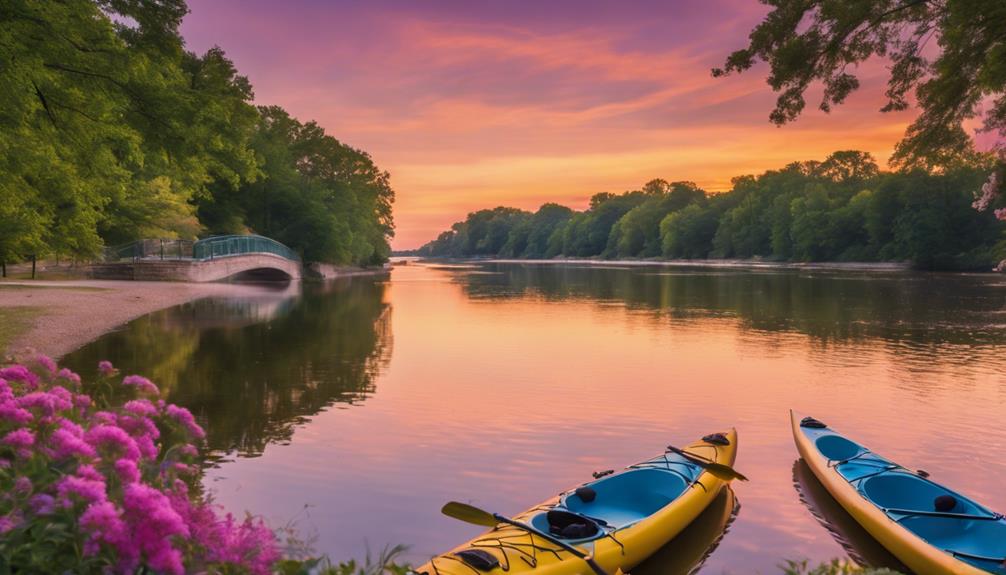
x=473, y=107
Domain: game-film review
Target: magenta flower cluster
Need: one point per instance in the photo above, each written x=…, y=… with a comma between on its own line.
x=116, y=479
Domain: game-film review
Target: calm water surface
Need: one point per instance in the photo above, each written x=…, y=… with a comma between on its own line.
x=358, y=408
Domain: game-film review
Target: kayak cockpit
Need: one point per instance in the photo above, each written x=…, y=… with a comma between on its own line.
x=837, y=448
x=628, y=497
x=906, y=491
x=615, y=502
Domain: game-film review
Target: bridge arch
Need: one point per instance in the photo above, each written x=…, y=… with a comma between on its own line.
x=248, y=258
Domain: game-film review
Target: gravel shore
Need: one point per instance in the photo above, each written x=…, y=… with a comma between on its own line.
x=74, y=312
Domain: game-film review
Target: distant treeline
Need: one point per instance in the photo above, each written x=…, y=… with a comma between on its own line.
x=841, y=209
x=110, y=130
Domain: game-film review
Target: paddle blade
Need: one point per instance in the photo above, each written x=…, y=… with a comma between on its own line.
x=719, y=470
x=469, y=514
x=724, y=472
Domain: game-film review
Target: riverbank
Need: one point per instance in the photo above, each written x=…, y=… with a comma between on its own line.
x=56, y=317
x=708, y=263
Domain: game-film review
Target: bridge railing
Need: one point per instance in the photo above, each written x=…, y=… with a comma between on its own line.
x=205, y=249
x=224, y=246
x=150, y=249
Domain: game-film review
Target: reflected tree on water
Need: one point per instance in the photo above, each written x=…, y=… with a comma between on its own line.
x=251, y=383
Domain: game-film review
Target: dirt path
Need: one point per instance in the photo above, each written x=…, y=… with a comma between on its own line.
x=57, y=317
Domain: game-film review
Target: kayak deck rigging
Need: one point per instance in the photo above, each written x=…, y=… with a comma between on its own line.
x=618, y=518
x=964, y=529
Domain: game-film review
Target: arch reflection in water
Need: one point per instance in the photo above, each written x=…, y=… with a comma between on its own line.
x=859, y=544
x=252, y=369
x=686, y=553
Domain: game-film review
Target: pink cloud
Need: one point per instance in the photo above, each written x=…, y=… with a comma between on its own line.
x=473, y=105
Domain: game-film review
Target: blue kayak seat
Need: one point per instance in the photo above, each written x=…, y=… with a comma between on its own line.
x=899, y=490
x=977, y=538
x=837, y=448
x=628, y=497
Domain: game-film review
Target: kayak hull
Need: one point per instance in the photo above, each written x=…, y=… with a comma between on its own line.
x=629, y=501
x=879, y=480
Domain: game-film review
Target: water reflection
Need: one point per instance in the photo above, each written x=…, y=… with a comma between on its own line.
x=253, y=368
x=916, y=308
x=859, y=544
x=687, y=553
x=512, y=382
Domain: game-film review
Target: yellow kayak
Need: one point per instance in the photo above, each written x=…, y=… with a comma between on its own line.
x=928, y=527
x=619, y=518
x=690, y=549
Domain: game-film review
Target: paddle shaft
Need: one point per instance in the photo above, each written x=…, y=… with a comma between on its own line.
x=577, y=552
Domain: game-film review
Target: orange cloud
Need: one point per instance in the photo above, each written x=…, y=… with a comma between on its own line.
x=476, y=106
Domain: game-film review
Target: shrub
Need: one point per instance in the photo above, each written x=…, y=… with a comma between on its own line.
x=105, y=481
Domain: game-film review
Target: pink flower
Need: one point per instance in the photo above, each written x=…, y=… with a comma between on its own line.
x=20, y=373
x=87, y=471
x=114, y=440
x=148, y=448
x=105, y=418
x=46, y=403
x=137, y=426
x=70, y=426
x=142, y=384
x=249, y=544
x=69, y=376
x=106, y=368
x=105, y=525
x=82, y=401
x=9, y=411
x=141, y=407
x=154, y=522
x=184, y=417
x=68, y=445
x=19, y=438
x=127, y=470
x=6, y=524
x=89, y=490
x=46, y=363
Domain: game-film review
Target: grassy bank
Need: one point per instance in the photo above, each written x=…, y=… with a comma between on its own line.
x=16, y=321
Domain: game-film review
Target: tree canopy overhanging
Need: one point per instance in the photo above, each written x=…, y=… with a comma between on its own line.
x=949, y=55
x=110, y=130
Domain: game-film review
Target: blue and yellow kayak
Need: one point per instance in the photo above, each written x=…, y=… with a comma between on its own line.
x=620, y=518
x=928, y=527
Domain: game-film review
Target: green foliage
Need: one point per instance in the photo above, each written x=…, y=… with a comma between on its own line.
x=823, y=41
x=300, y=559
x=317, y=195
x=111, y=131
x=833, y=567
x=840, y=209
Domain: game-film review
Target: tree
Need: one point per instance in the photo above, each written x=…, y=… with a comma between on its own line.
x=543, y=224
x=820, y=40
x=324, y=199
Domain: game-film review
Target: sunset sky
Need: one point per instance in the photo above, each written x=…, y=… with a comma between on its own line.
x=478, y=104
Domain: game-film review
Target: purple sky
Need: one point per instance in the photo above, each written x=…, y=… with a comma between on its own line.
x=475, y=104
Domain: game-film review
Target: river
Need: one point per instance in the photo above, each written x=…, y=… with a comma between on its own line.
x=357, y=408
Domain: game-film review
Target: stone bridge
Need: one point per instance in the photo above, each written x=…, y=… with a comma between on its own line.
x=248, y=258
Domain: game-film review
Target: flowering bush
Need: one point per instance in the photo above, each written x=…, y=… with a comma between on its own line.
x=102, y=481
